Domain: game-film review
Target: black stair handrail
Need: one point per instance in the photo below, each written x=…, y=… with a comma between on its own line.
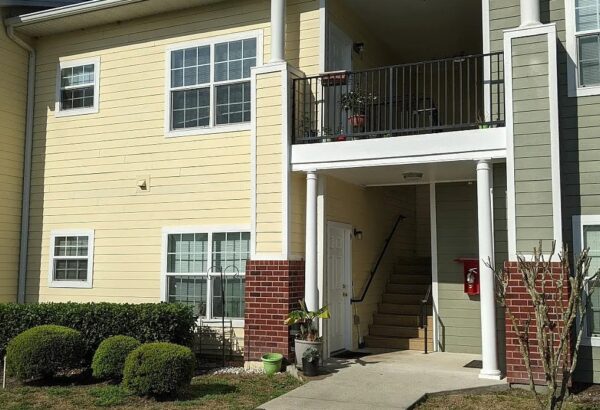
x=381, y=255
x=423, y=319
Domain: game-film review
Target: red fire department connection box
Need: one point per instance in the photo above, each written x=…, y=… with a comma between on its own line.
x=471, y=275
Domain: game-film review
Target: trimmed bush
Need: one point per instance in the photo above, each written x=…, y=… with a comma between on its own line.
x=43, y=352
x=148, y=322
x=110, y=356
x=158, y=369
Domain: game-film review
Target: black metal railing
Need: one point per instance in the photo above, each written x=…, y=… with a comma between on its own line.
x=450, y=94
x=424, y=322
x=379, y=259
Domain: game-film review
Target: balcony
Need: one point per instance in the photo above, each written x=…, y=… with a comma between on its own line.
x=451, y=94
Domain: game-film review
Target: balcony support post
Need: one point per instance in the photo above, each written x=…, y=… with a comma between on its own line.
x=489, y=350
x=311, y=292
x=277, y=31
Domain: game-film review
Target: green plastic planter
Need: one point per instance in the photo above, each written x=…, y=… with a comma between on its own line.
x=272, y=362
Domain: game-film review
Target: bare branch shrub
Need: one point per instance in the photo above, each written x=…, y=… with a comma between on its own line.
x=557, y=316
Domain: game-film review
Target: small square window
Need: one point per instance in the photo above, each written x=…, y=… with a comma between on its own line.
x=78, y=88
x=71, y=259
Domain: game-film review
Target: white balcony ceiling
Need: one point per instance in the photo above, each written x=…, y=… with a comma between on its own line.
x=423, y=29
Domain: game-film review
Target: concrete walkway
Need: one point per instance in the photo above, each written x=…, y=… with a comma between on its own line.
x=383, y=381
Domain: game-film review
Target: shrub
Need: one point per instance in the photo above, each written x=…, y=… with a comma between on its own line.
x=44, y=351
x=158, y=369
x=149, y=322
x=110, y=356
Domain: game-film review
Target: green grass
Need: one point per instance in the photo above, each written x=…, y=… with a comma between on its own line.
x=206, y=392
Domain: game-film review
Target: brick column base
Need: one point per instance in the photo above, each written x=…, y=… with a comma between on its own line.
x=520, y=304
x=273, y=288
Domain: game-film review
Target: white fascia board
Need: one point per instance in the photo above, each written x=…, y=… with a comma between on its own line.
x=426, y=148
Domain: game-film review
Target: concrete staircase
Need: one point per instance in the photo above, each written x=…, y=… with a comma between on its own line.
x=396, y=322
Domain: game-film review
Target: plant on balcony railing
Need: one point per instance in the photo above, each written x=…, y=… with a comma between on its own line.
x=355, y=104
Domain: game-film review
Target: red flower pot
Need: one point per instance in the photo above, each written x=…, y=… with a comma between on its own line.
x=357, y=120
x=340, y=138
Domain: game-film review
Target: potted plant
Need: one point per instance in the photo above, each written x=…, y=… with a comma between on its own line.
x=355, y=103
x=272, y=362
x=308, y=336
x=310, y=362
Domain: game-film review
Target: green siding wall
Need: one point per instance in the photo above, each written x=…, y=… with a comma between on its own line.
x=579, y=123
x=500, y=248
x=456, y=214
x=533, y=172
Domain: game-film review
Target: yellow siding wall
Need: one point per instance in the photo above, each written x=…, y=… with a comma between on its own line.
x=13, y=95
x=269, y=157
x=373, y=211
x=298, y=215
x=86, y=167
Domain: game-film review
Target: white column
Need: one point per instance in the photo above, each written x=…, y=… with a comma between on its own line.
x=311, y=292
x=530, y=12
x=277, y=31
x=489, y=352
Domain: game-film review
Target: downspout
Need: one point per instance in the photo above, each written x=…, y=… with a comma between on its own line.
x=26, y=163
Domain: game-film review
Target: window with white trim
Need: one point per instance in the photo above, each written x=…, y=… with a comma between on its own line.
x=210, y=84
x=78, y=87
x=194, y=261
x=71, y=259
x=587, y=235
x=587, y=36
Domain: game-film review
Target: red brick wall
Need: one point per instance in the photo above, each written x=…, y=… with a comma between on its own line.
x=273, y=288
x=519, y=302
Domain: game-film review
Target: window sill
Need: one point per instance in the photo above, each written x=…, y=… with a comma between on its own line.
x=217, y=322
x=585, y=91
x=74, y=112
x=218, y=129
x=70, y=284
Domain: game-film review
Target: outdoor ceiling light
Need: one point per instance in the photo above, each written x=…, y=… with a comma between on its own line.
x=357, y=234
x=412, y=176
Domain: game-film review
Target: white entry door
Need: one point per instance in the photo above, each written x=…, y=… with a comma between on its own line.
x=339, y=286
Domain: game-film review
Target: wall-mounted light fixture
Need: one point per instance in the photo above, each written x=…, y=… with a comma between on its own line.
x=358, y=48
x=357, y=234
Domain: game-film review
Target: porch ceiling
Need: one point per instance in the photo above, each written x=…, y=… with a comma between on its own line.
x=417, y=29
x=394, y=174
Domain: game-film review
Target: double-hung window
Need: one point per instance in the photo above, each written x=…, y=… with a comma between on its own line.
x=194, y=263
x=71, y=259
x=77, y=90
x=586, y=234
x=209, y=84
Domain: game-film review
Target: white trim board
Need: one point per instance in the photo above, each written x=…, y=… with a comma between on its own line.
x=550, y=31
x=435, y=293
x=414, y=149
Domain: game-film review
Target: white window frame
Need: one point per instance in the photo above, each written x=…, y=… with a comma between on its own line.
x=210, y=230
x=58, y=112
x=572, y=55
x=579, y=221
x=87, y=284
x=212, y=128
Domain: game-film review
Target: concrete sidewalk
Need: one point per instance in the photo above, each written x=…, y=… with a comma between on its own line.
x=383, y=381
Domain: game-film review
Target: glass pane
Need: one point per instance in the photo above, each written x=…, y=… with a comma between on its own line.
x=190, y=66
x=230, y=251
x=177, y=59
x=234, y=297
x=70, y=269
x=77, y=98
x=221, y=72
x=250, y=48
x=233, y=103
x=586, y=15
x=589, y=60
x=190, y=108
x=187, y=253
x=235, y=70
x=235, y=50
x=221, y=52
x=189, y=290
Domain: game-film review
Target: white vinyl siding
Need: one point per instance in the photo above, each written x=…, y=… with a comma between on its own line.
x=71, y=259
x=209, y=83
x=78, y=87
x=194, y=264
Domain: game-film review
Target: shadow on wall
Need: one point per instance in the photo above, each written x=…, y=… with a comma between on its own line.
x=210, y=341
